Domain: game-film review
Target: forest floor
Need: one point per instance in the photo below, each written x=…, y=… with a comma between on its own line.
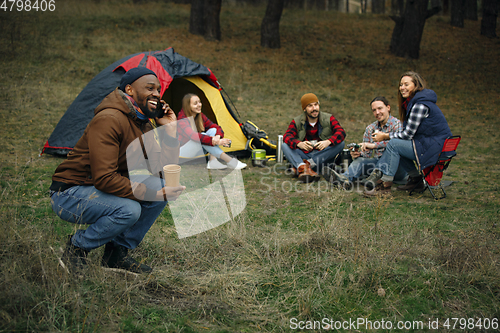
x=299, y=256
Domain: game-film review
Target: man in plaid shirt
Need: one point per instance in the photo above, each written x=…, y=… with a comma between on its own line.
x=418, y=145
x=366, y=157
x=312, y=140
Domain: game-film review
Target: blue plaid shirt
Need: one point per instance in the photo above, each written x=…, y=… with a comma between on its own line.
x=391, y=126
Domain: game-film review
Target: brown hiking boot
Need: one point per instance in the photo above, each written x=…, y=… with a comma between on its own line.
x=306, y=174
x=382, y=188
x=372, y=180
x=416, y=183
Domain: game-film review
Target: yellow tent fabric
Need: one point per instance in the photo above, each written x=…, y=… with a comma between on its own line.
x=224, y=119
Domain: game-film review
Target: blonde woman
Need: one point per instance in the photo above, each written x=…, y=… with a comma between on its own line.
x=198, y=129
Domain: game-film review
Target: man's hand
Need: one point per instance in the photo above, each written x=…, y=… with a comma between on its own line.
x=169, y=120
x=322, y=144
x=366, y=146
x=305, y=145
x=355, y=154
x=380, y=136
x=170, y=193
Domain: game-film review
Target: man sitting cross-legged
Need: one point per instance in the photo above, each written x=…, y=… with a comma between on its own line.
x=312, y=140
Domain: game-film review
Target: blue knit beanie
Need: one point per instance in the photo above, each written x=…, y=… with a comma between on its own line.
x=133, y=74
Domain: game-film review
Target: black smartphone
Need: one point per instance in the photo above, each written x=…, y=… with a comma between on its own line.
x=159, y=109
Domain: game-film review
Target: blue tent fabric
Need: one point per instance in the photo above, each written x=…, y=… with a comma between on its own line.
x=74, y=121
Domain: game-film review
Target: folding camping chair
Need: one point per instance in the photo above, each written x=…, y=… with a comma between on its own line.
x=433, y=174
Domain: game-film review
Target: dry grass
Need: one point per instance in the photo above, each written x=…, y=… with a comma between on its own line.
x=296, y=251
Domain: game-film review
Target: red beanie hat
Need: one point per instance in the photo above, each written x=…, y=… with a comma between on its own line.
x=308, y=99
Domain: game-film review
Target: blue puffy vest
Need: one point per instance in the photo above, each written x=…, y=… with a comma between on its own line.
x=429, y=139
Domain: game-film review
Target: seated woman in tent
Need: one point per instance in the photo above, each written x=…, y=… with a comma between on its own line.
x=197, y=129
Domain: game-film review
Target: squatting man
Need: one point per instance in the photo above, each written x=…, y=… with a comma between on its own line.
x=312, y=140
x=92, y=185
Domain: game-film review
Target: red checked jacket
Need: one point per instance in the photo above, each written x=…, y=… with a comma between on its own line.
x=186, y=133
x=336, y=133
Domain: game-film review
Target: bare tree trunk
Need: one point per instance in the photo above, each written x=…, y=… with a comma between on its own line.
x=471, y=10
x=204, y=18
x=378, y=6
x=489, y=20
x=321, y=5
x=397, y=7
x=196, y=18
x=407, y=33
x=457, y=13
x=270, y=27
x=446, y=6
x=212, y=19
x=364, y=6
x=336, y=5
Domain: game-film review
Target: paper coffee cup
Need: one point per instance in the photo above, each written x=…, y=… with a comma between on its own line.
x=172, y=175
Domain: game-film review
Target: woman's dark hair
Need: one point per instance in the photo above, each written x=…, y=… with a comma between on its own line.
x=419, y=86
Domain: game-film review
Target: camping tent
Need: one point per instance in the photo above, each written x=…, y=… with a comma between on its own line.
x=177, y=74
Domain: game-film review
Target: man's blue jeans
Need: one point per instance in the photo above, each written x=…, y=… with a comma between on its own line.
x=110, y=218
x=363, y=166
x=319, y=157
x=398, y=152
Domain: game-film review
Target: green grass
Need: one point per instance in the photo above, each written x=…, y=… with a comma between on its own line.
x=297, y=251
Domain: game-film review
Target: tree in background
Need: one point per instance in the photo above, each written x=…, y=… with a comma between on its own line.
x=457, y=13
x=462, y=10
x=407, y=33
x=471, y=10
x=489, y=20
x=270, y=27
x=378, y=6
x=204, y=19
x=397, y=7
x=196, y=17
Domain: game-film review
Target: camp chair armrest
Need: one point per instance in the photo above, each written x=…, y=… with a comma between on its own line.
x=447, y=155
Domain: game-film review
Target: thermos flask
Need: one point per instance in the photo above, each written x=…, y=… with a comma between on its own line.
x=279, y=151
